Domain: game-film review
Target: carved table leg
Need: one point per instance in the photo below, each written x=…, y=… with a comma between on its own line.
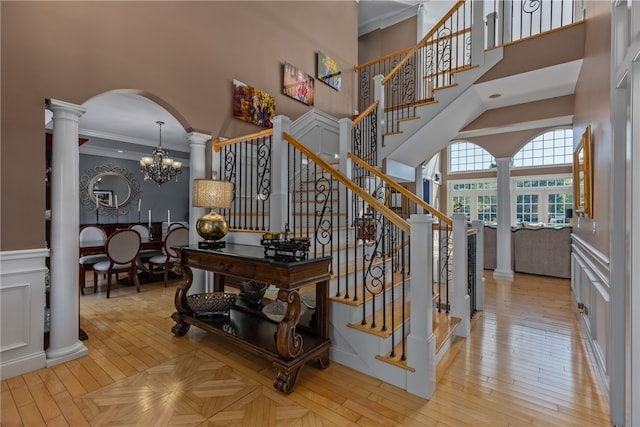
x=180, y=300
x=323, y=359
x=287, y=378
x=288, y=342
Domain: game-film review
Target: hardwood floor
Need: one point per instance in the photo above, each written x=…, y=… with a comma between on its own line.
x=525, y=364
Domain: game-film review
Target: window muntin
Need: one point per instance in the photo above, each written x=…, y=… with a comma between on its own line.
x=487, y=208
x=527, y=208
x=478, y=199
x=551, y=148
x=467, y=156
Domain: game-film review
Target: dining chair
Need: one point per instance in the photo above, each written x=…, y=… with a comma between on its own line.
x=145, y=254
x=122, y=251
x=93, y=235
x=176, y=237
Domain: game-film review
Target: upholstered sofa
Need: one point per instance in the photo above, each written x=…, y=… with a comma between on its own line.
x=544, y=251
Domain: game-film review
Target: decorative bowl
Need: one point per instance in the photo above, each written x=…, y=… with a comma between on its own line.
x=309, y=299
x=252, y=292
x=212, y=303
x=277, y=309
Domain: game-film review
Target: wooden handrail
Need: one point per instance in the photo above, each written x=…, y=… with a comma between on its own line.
x=372, y=201
x=424, y=40
x=218, y=144
x=408, y=194
x=389, y=56
x=364, y=114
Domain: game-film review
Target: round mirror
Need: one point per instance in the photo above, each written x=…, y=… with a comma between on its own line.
x=109, y=187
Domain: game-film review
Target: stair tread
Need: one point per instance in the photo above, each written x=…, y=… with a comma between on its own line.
x=443, y=327
x=377, y=330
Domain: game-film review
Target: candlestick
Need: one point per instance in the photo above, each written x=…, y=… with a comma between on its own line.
x=168, y=217
x=149, y=218
x=139, y=206
x=116, y=201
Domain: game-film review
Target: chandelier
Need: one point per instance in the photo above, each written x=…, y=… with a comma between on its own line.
x=160, y=167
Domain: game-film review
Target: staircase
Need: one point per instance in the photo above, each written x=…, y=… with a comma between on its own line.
x=404, y=285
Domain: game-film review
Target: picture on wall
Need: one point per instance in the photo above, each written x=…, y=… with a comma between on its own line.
x=104, y=197
x=253, y=105
x=329, y=71
x=297, y=84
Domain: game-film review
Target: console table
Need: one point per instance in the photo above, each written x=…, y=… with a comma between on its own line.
x=288, y=345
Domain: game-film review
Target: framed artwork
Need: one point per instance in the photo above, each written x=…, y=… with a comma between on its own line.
x=297, y=84
x=253, y=105
x=329, y=71
x=104, y=197
x=583, y=176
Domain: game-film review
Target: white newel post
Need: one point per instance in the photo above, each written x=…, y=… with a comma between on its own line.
x=421, y=342
x=197, y=170
x=477, y=36
x=460, y=304
x=479, y=227
x=64, y=344
x=345, y=164
x=279, y=200
x=503, y=228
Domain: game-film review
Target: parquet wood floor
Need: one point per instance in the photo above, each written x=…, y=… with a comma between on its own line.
x=525, y=364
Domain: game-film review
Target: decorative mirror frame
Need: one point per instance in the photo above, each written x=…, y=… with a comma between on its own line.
x=88, y=198
x=582, y=176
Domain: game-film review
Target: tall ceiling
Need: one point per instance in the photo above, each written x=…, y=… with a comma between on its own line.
x=123, y=125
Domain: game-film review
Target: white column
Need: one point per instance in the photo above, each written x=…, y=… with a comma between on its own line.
x=503, y=230
x=421, y=342
x=279, y=199
x=423, y=26
x=197, y=170
x=64, y=344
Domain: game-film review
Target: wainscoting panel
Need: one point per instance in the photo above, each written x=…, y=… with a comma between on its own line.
x=22, y=301
x=591, y=293
x=14, y=331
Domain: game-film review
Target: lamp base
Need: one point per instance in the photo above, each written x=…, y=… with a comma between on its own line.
x=211, y=244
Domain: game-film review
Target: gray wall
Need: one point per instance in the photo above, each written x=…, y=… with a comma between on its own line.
x=171, y=195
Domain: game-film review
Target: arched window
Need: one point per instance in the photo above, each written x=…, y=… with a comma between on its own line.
x=554, y=147
x=466, y=156
x=536, y=199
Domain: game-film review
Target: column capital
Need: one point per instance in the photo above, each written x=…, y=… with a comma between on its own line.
x=198, y=138
x=58, y=106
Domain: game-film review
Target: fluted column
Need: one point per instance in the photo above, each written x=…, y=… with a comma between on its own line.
x=64, y=344
x=197, y=170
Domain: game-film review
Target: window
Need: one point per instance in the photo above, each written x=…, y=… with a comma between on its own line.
x=487, y=208
x=534, y=199
x=462, y=204
x=467, y=156
x=542, y=199
x=527, y=208
x=551, y=148
x=558, y=204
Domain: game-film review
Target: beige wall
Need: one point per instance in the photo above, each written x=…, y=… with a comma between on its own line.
x=593, y=106
x=184, y=55
x=379, y=43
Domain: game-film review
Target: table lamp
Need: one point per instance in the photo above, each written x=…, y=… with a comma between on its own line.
x=213, y=194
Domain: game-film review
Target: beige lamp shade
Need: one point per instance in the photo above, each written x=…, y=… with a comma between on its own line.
x=209, y=193
x=212, y=194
